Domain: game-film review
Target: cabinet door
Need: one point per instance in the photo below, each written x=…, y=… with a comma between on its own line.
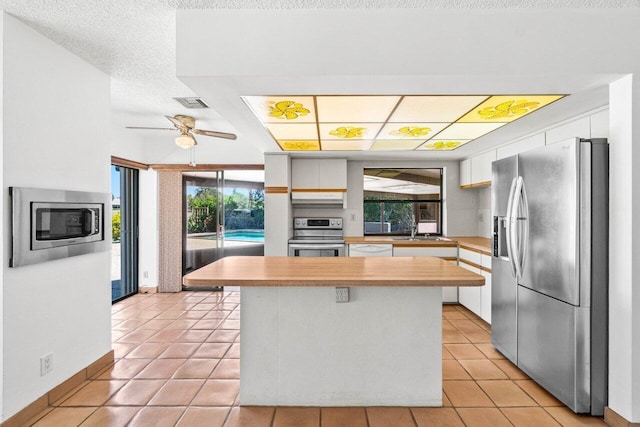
x=465, y=172
x=370, y=250
x=449, y=293
x=485, y=298
x=470, y=296
x=304, y=173
x=481, y=167
x=423, y=251
x=319, y=174
x=333, y=173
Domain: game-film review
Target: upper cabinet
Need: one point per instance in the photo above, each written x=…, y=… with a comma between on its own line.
x=476, y=171
x=319, y=174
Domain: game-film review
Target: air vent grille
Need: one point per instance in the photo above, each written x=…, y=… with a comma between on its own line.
x=192, y=102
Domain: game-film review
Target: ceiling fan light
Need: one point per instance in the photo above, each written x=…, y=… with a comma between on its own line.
x=185, y=140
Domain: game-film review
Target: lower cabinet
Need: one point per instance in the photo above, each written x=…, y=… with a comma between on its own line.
x=449, y=294
x=368, y=249
x=477, y=299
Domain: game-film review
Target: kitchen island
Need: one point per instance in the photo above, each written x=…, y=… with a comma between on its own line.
x=299, y=347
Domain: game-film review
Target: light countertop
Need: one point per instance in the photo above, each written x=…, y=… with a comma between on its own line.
x=474, y=243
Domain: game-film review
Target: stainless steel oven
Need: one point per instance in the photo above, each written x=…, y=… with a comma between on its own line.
x=52, y=224
x=313, y=237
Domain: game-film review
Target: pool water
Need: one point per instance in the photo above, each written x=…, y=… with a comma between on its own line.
x=239, y=236
x=245, y=236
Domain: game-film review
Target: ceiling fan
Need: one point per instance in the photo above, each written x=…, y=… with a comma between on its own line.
x=186, y=126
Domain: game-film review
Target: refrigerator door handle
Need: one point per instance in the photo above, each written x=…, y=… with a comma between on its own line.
x=510, y=223
x=520, y=229
x=524, y=229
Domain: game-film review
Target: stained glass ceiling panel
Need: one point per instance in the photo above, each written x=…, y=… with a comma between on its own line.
x=387, y=122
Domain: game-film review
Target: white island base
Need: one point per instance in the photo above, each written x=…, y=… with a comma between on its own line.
x=301, y=348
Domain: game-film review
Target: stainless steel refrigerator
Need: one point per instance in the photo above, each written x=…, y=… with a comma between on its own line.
x=550, y=268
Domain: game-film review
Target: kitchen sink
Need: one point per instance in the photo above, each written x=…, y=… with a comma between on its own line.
x=422, y=238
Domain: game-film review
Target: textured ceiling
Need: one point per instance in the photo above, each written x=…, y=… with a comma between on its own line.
x=134, y=41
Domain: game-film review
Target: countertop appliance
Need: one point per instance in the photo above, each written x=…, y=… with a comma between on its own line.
x=52, y=224
x=550, y=268
x=317, y=237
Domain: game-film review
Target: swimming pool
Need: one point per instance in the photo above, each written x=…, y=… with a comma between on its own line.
x=245, y=235
x=253, y=236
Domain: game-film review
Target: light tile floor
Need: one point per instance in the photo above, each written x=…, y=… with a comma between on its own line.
x=177, y=364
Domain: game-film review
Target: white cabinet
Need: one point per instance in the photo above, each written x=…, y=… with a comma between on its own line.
x=368, y=250
x=476, y=171
x=449, y=293
x=477, y=299
x=481, y=168
x=465, y=173
x=470, y=296
x=576, y=128
x=319, y=174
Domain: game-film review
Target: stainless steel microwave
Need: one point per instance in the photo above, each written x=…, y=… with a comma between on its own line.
x=53, y=224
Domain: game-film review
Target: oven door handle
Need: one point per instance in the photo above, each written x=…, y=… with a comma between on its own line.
x=315, y=247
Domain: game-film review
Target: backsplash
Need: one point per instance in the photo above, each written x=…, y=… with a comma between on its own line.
x=484, y=212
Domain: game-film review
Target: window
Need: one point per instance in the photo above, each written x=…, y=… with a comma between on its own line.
x=397, y=200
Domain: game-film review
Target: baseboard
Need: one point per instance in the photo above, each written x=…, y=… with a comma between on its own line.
x=613, y=419
x=148, y=289
x=43, y=402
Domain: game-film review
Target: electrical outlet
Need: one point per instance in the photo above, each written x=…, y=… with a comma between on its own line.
x=353, y=217
x=480, y=217
x=145, y=275
x=342, y=294
x=46, y=364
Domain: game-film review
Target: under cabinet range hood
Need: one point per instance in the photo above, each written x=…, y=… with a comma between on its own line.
x=318, y=198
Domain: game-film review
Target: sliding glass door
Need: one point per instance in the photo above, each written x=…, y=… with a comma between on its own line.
x=223, y=215
x=203, y=236
x=124, y=227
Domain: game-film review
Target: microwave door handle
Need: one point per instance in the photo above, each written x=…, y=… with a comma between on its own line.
x=509, y=222
x=94, y=222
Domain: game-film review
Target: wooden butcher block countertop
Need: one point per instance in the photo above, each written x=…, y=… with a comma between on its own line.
x=332, y=271
x=478, y=244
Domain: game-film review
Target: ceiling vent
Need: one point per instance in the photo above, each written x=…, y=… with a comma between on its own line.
x=192, y=102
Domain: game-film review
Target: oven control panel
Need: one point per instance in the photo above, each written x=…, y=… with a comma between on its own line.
x=317, y=223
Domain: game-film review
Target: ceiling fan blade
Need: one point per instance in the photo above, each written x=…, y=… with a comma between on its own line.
x=216, y=134
x=177, y=123
x=143, y=127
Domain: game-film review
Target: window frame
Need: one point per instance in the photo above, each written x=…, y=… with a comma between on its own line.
x=439, y=201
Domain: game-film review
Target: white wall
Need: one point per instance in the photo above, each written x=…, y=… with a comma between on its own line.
x=624, y=271
x=148, y=228
x=278, y=226
x=55, y=135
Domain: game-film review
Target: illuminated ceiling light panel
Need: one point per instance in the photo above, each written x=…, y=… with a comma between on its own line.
x=507, y=108
x=393, y=122
x=420, y=131
x=433, y=108
x=352, y=145
x=395, y=144
x=299, y=145
x=298, y=131
x=468, y=130
x=443, y=144
x=343, y=109
x=277, y=109
x=348, y=131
